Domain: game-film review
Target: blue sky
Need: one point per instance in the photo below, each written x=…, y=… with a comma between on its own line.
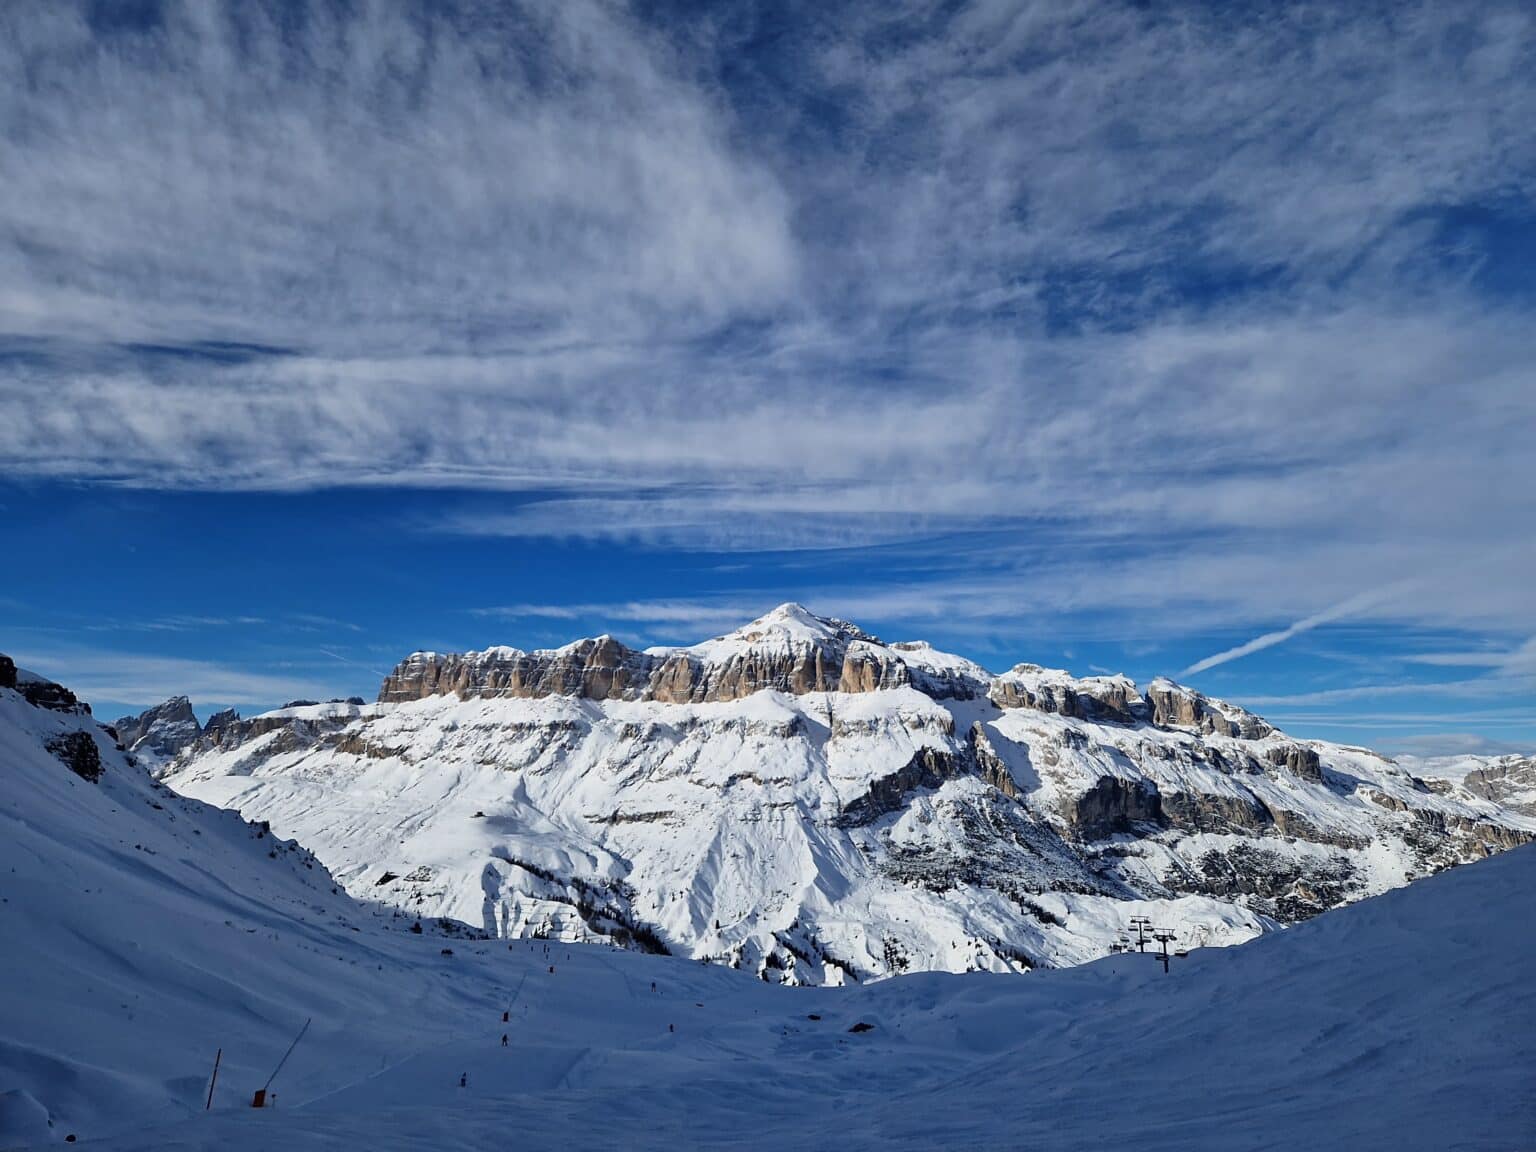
x=1189, y=339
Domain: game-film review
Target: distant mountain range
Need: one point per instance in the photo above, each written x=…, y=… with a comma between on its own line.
x=803, y=800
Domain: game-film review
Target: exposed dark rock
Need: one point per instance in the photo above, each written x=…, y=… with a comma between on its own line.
x=1244, y=813
x=1100, y=698
x=46, y=694
x=356, y=744
x=1386, y=800
x=841, y=659
x=220, y=721
x=1006, y=848
x=928, y=768
x=7, y=672
x=1509, y=780
x=1116, y=805
x=1175, y=706
x=1478, y=836
x=78, y=751
x=163, y=730
x=991, y=767
x=1286, y=888
x=1297, y=759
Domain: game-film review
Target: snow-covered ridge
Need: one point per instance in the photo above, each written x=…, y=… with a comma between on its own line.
x=805, y=800
x=1508, y=780
x=795, y=651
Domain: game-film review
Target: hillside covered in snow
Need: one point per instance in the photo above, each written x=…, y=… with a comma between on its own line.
x=145, y=932
x=803, y=801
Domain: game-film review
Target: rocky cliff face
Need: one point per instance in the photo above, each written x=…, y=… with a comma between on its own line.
x=160, y=732
x=38, y=690
x=789, y=650
x=807, y=800
x=1508, y=780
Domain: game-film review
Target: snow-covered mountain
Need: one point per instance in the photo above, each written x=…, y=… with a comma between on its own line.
x=1508, y=780
x=161, y=732
x=803, y=800
x=145, y=932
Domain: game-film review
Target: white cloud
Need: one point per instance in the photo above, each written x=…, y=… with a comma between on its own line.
x=374, y=182
x=143, y=679
x=664, y=616
x=1440, y=745
x=1480, y=687
x=1134, y=310
x=1513, y=661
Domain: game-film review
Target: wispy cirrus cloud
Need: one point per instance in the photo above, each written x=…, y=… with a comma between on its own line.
x=143, y=679
x=1518, y=660
x=1168, y=313
x=1474, y=688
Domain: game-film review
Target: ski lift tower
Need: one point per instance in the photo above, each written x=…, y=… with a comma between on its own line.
x=1164, y=935
x=1142, y=926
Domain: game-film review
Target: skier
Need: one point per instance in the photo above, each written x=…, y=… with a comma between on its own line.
x=653, y=985
x=464, y=1080
x=505, y=1016
x=503, y=1039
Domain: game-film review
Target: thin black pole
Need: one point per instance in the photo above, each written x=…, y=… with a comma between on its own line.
x=217, y=1057
x=286, y=1054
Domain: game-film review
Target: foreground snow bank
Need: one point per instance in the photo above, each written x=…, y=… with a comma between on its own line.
x=146, y=931
x=1406, y=1022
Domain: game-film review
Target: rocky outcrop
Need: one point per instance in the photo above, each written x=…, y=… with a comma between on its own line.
x=1297, y=759
x=163, y=731
x=1509, y=780
x=928, y=768
x=989, y=765
x=1114, y=805
x=1099, y=698
x=1488, y=837
x=232, y=731
x=43, y=693
x=220, y=721
x=355, y=744
x=789, y=650
x=1175, y=706
x=40, y=692
x=1285, y=888
x=1116, y=700
x=78, y=752
x=597, y=669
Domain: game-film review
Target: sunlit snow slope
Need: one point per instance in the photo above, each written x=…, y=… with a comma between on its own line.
x=807, y=802
x=144, y=932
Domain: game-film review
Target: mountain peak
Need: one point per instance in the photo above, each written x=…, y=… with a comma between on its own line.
x=796, y=622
